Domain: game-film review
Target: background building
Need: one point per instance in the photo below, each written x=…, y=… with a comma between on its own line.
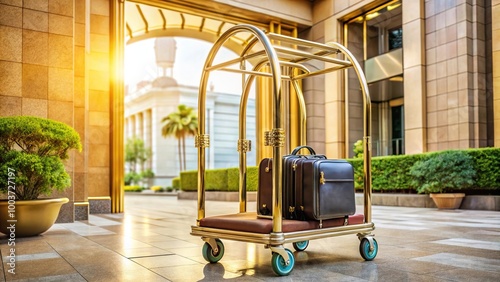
x=64, y=60
x=429, y=65
x=153, y=100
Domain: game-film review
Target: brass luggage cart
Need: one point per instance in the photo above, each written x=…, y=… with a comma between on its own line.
x=280, y=58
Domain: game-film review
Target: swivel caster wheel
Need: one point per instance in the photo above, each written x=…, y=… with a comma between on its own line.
x=301, y=246
x=211, y=255
x=365, y=251
x=279, y=264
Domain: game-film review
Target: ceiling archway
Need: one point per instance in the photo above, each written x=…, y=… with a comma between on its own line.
x=143, y=21
x=206, y=21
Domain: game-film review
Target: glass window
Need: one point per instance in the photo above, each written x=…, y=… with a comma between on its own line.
x=395, y=38
x=370, y=36
x=383, y=29
x=397, y=130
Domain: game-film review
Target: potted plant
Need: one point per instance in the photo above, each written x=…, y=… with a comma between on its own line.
x=442, y=174
x=32, y=151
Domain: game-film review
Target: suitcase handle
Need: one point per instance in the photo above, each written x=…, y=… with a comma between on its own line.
x=318, y=157
x=296, y=150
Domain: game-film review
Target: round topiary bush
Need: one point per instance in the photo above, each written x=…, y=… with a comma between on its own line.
x=34, y=148
x=443, y=172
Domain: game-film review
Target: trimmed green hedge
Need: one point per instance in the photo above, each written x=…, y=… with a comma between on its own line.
x=189, y=180
x=487, y=165
x=176, y=183
x=221, y=179
x=390, y=174
x=234, y=178
x=216, y=179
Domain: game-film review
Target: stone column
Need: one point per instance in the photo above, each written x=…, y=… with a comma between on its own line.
x=457, y=74
x=495, y=17
x=328, y=91
x=138, y=125
x=81, y=99
x=99, y=106
x=414, y=77
x=147, y=130
x=132, y=123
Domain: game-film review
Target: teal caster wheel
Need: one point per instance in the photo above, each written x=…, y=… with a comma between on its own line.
x=209, y=254
x=279, y=265
x=364, y=249
x=301, y=246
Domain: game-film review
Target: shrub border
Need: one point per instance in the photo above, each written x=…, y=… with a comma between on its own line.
x=390, y=174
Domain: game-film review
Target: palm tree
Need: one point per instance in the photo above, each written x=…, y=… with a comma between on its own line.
x=180, y=124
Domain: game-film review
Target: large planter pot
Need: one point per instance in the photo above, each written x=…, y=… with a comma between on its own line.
x=31, y=217
x=448, y=200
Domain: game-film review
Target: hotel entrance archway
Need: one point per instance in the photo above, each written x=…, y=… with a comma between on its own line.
x=138, y=20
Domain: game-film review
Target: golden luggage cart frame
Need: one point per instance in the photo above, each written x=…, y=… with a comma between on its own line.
x=271, y=54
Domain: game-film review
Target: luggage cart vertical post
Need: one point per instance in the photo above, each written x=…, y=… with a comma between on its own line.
x=367, y=130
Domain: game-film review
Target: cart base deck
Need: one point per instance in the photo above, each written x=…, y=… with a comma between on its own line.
x=247, y=227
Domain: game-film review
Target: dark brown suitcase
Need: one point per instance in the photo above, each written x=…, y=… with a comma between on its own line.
x=289, y=165
x=264, y=192
x=299, y=197
x=324, y=189
x=265, y=188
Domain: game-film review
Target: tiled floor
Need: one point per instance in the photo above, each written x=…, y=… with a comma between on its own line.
x=151, y=242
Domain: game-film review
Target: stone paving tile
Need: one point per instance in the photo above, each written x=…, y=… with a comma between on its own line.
x=151, y=242
x=142, y=252
x=26, y=269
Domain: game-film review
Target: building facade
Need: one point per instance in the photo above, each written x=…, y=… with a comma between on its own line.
x=440, y=89
x=149, y=103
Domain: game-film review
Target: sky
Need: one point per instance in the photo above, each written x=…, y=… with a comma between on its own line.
x=190, y=57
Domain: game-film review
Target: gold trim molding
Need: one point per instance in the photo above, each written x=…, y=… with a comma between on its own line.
x=244, y=145
x=202, y=141
x=99, y=198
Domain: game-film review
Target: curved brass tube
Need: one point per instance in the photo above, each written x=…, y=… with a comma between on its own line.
x=277, y=134
x=242, y=123
x=302, y=108
x=278, y=119
x=367, y=129
x=242, y=136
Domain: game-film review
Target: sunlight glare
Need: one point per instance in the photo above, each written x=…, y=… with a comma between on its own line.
x=190, y=57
